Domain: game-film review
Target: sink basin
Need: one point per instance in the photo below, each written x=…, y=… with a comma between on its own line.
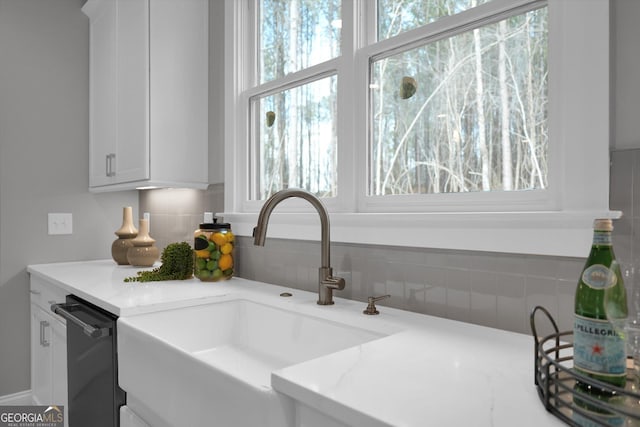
x=218, y=353
x=247, y=339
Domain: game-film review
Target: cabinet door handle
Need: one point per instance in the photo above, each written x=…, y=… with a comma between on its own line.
x=34, y=292
x=43, y=340
x=109, y=164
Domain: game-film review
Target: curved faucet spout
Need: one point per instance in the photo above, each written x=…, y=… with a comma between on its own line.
x=326, y=280
x=260, y=231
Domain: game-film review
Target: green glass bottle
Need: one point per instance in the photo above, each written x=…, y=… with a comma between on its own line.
x=600, y=305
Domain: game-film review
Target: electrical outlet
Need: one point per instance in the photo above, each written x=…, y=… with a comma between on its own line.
x=60, y=223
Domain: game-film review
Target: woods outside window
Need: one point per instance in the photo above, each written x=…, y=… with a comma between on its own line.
x=458, y=110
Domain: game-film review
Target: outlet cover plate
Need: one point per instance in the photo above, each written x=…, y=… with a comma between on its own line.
x=60, y=223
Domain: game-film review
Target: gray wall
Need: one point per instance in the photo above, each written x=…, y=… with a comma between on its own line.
x=44, y=100
x=627, y=69
x=625, y=196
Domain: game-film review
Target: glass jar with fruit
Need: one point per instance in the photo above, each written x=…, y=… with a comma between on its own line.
x=213, y=252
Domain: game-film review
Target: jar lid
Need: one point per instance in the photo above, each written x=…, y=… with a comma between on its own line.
x=215, y=226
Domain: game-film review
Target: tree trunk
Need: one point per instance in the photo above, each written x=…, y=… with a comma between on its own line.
x=295, y=102
x=482, y=139
x=507, y=165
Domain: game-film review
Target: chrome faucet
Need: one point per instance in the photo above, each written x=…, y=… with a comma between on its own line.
x=327, y=283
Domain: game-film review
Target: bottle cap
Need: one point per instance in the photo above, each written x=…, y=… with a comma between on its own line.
x=603, y=224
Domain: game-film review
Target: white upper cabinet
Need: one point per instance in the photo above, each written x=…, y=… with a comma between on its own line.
x=148, y=94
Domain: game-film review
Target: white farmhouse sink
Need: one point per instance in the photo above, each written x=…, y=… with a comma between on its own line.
x=221, y=355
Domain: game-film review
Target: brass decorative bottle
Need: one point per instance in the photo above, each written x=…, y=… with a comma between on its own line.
x=144, y=252
x=125, y=234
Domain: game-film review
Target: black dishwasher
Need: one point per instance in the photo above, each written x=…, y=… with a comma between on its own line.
x=92, y=364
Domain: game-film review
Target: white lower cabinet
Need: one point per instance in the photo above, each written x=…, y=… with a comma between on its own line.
x=41, y=356
x=48, y=348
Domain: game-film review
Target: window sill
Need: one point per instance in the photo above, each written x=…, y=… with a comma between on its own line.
x=540, y=233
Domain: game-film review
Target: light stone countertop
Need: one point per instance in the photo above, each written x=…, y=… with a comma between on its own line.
x=102, y=283
x=427, y=371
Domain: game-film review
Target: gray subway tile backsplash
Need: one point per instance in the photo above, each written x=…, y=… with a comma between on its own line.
x=496, y=290
x=492, y=289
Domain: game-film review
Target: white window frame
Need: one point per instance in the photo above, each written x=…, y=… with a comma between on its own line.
x=559, y=223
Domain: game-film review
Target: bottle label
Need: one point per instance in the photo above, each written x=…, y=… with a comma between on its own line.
x=598, y=276
x=602, y=238
x=597, y=347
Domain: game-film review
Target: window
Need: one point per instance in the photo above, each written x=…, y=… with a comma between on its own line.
x=395, y=16
x=293, y=110
x=295, y=139
x=462, y=113
x=296, y=34
x=467, y=120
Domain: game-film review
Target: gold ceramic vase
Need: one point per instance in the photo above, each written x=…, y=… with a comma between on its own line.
x=144, y=252
x=125, y=234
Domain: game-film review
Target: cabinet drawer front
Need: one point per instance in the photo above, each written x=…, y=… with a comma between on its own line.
x=43, y=294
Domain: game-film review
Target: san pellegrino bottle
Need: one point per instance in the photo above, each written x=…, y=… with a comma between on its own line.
x=599, y=349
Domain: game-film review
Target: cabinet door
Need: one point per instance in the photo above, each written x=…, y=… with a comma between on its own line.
x=119, y=92
x=132, y=109
x=41, y=368
x=102, y=102
x=179, y=90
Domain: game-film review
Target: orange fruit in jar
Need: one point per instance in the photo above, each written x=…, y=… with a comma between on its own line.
x=225, y=262
x=226, y=248
x=218, y=239
x=202, y=253
x=230, y=237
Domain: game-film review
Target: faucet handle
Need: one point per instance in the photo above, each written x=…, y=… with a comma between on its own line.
x=371, y=307
x=334, y=282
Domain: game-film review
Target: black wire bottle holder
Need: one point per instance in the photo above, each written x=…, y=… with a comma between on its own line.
x=555, y=380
